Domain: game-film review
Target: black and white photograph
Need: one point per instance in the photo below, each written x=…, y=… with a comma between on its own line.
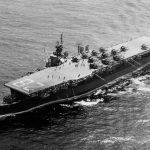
x=74, y=74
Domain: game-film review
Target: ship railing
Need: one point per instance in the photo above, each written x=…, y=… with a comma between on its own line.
x=136, y=62
x=130, y=63
x=100, y=77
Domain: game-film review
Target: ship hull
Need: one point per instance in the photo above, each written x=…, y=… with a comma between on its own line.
x=67, y=95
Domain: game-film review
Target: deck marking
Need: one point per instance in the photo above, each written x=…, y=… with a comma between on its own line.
x=33, y=86
x=23, y=82
x=28, y=84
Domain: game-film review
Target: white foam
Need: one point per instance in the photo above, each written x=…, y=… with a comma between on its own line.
x=65, y=105
x=143, y=121
x=118, y=139
x=138, y=81
x=98, y=92
x=146, y=89
x=89, y=103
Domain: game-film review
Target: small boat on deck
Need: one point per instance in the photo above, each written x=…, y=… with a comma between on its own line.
x=67, y=79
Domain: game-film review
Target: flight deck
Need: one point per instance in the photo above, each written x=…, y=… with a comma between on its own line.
x=68, y=70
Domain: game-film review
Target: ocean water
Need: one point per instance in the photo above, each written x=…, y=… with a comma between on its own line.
x=29, y=26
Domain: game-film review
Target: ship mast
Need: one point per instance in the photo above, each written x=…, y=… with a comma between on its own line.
x=61, y=39
x=59, y=47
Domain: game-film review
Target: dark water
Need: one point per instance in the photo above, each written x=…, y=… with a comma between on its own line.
x=26, y=27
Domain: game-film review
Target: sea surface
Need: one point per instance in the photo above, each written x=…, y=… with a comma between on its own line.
x=27, y=27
